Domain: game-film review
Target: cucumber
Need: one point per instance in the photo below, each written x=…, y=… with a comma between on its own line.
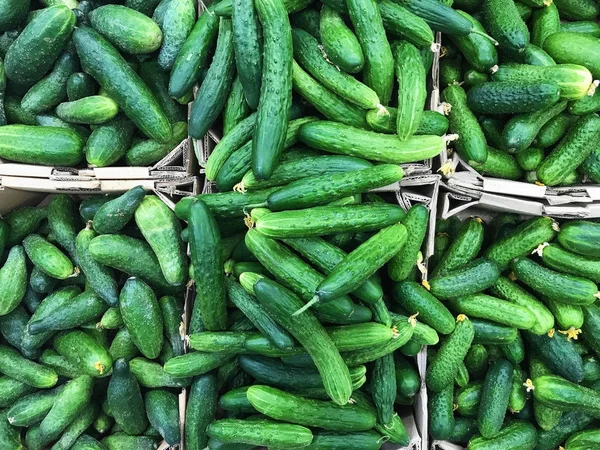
x=505, y=24
x=76, y=428
x=104, y=63
x=402, y=262
x=85, y=352
x=94, y=110
x=379, y=61
x=443, y=368
x=12, y=390
x=532, y=55
x=247, y=46
x=165, y=239
x=400, y=22
x=451, y=70
x=158, y=82
x=163, y=414
x=259, y=432
x=577, y=9
x=152, y=375
x=13, y=280
x=128, y=30
x=63, y=222
x=521, y=130
x=587, y=27
x=517, y=435
x=60, y=364
x=48, y=258
x=383, y=388
x=125, y=400
x=121, y=441
x=573, y=48
x=530, y=158
x=561, y=287
x=486, y=307
x=326, y=102
x=500, y=164
x=41, y=145
x=471, y=78
x=441, y=413
x=477, y=49
x=520, y=242
x=574, y=81
x=141, y=315
x=34, y=51
x=178, y=20
x=471, y=278
x=339, y=138
x=476, y=360
x=12, y=13
x=544, y=22
x=276, y=88
x=546, y=417
x=471, y=143
x=50, y=90
x=339, y=42
x=468, y=399
x=578, y=236
x=236, y=108
x=505, y=97
x=193, y=55
x=211, y=97
x=146, y=152
x=432, y=122
x=80, y=85
x=200, y=411
x=556, y=257
x=31, y=409
x=495, y=397
x=412, y=90
x=583, y=439
x=311, y=58
x=564, y=395
x=591, y=166
x=108, y=143
x=366, y=440
x=322, y=189
x=558, y=353
x=40, y=282
x=113, y=215
x=308, y=20
x=464, y=249
x=569, y=423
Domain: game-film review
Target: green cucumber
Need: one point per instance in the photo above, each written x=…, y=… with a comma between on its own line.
x=401, y=22
x=441, y=371
x=162, y=409
x=80, y=85
x=383, y=388
x=578, y=9
x=308, y=20
x=211, y=97
x=127, y=29
x=478, y=50
x=585, y=105
x=546, y=417
x=152, y=375
x=490, y=308
x=588, y=27
x=464, y=248
x=366, y=440
x=558, y=353
x=247, y=47
x=504, y=97
x=476, y=360
x=63, y=222
x=471, y=78
x=561, y=287
x=259, y=432
x=544, y=22
x=471, y=144
x=172, y=314
x=178, y=20
x=495, y=397
x=530, y=158
x=573, y=48
x=48, y=258
x=31, y=409
x=146, y=152
x=122, y=346
x=441, y=413
x=468, y=399
x=569, y=423
x=13, y=13
x=557, y=258
x=451, y=70
x=569, y=317
x=505, y=24
x=432, y=122
x=13, y=280
x=276, y=88
x=41, y=282
x=236, y=108
x=122, y=441
x=564, y=395
x=109, y=69
x=125, y=400
x=591, y=166
x=33, y=53
x=70, y=435
x=412, y=90
x=500, y=164
x=158, y=82
x=200, y=411
x=339, y=42
x=579, y=237
x=417, y=300
x=516, y=435
x=487, y=332
x=520, y=242
x=113, y=215
x=141, y=315
x=94, y=110
x=85, y=352
x=12, y=390
x=471, y=278
x=583, y=439
x=60, y=364
x=108, y=143
x=339, y=138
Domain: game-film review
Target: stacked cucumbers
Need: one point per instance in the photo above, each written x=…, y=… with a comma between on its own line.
x=91, y=307
x=518, y=301
x=88, y=82
x=526, y=109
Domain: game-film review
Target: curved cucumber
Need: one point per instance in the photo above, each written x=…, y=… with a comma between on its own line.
x=517, y=435
x=340, y=43
x=574, y=48
x=558, y=353
x=13, y=280
x=580, y=237
x=557, y=258
x=479, y=51
x=486, y=307
x=109, y=143
x=125, y=399
x=495, y=397
x=505, y=24
x=84, y=351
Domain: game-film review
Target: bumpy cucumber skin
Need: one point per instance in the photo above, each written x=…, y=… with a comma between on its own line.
x=80, y=85
x=505, y=25
x=468, y=398
x=441, y=371
x=503, y=97
x=486, y=307
x=558, y=353
x=176, y=25
x=574, y=48
x=521, y=241
x=494, y=398
x=500, y=164
x=162, y=409
x=545, y=22
x=555, y=128
x=576, y=10
x=84, y=351
x=565, y=395
x=114, y=214
x=48, y=258
x=471, y=143
x=383, y=388
x=441, y=413
x=474, y=277
x=417, y=300
x=236, y=107
x=591, y=166
x=581, y=237
x=108, y=143
x=125, y=399
x=517, y=435
x=402, y=262
x=259, y=433
x=247, y=48
x=478, y=50
x=200, y=410
x=546, y=417
x=530, y=158
x=557, y=258
x=569, y=423
x=13, y=280
x=339, y=42
x=487, y=332
x=276, y=88
x=464, y=248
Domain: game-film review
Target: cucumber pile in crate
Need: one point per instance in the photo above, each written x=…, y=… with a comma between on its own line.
x=89, y=314
x=525, y=109
x=518, y=303
x=84, y=81
x=297, y=341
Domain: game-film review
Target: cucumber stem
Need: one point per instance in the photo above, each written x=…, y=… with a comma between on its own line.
x=314, y=300
x=485, y=35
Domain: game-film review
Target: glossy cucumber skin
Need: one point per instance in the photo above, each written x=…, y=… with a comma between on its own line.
x=545, y=22
x=440, y=18
x=591, y=166
x=205, y=247
x=505, y=25
x=141, y=315
x=80, y=85
x=108, y=143
x=473, y=277
x=247, y=47
x=582, y=440
x=441, y=371
x=158, y=82
x=416, y=299
x=556, y=257
x=339, y=42
x=412, y=91
x=236, y=107
x=48, y=258
x=478, y=50
x=500, y=164
x=441, y=414
x=200, y=411
x=565, y=395
x=399, y=21
x=463, y=249
x=212, y=95
x=165, y=240
x=162, y=409
x=379, y=61
x=579, y=237
x=521, y=241
x=125, y=399
x=471, y=144
x=82, y=350
x=432, y=122
x=583, y=27
x=546, y=417
x=558, y=354
x=530, y=158
x=13, y=280
x=113, y=215
x=494, y=398
x=276, y=88
x=488, y=332
x=176, y=25
x=152, y=375
x=573, y=48
x=503, y=97
x=576, y=10
x=517, y=435
x=490, y=308
x=259, y=432
x=565, y=288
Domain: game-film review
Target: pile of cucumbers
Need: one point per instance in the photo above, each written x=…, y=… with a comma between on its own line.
x=517, y=302
x=89, y=314
x=525, y=107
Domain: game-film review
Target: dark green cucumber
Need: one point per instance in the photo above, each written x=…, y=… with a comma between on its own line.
x=564, y=395
x=122, y=441
x=63, y=222
x=80, y=85
x=122, y=345
x=236, y=108
x=494, y=398
x=416, y=222
x=561, y=287
x=172, y=313
x=178, y=20
x=247, y=46
x=569, y=423
x=82, y=350
x=487, y=332
x=107, y=66
x=340, y=43
x=158, y=82
x=13, y=280
x=441, y=413
x=471, y=144
x=400, y=22
x=581, y=26
x=442, y=370
x=109, y=142
x=162, y=408
x=383, y=388
x=505, y=24
x=259, y=432
x=517, y=435
x=41, y=282
x=13, y=13
x=211, y=97
x=469, y=279
x=504, y=97
x=546, y=417
x=476, y=360
x=580, y=237
x=558, y=353
x=205, y=245
x=200, y=411
x=478, y=50
x=152, y=375
x=32, y=408
x=12, y=390
x=468, y=399
x=48, y=258
x=591, y=166
x=544, y=22
x=432, y=122
x=463, y=249
x=308, y=20
x=125, y=400
x=72, y=432
x=113, y=215
x=557, y=258
x=276, y=88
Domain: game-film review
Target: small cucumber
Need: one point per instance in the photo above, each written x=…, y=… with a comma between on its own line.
x=109, y=142
x=464, y=248
x=31, y=409
x=152, y=375
x=114, y=214
x=579, y=237
x=468, y=399
x=383, y=388
x=236, y=108
x=490, y=308
x=48, y=258
x=559, y=393
x=125, y=400
x=13, y=280
x=478, y=50
x=544, y=22
x=495, y=397
x=530, y=158
x=63, y=222
x=94, y=110
x=476, y=360
x=516, y=435
x=403, y=261
x=441, y=413
x=471, y=278
x=487, y=332
x=500, y=164
x=85, y=352
x=505, y=24
x=569, y=423
x=339, y=42
x=162, y=408
x=546, y=417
